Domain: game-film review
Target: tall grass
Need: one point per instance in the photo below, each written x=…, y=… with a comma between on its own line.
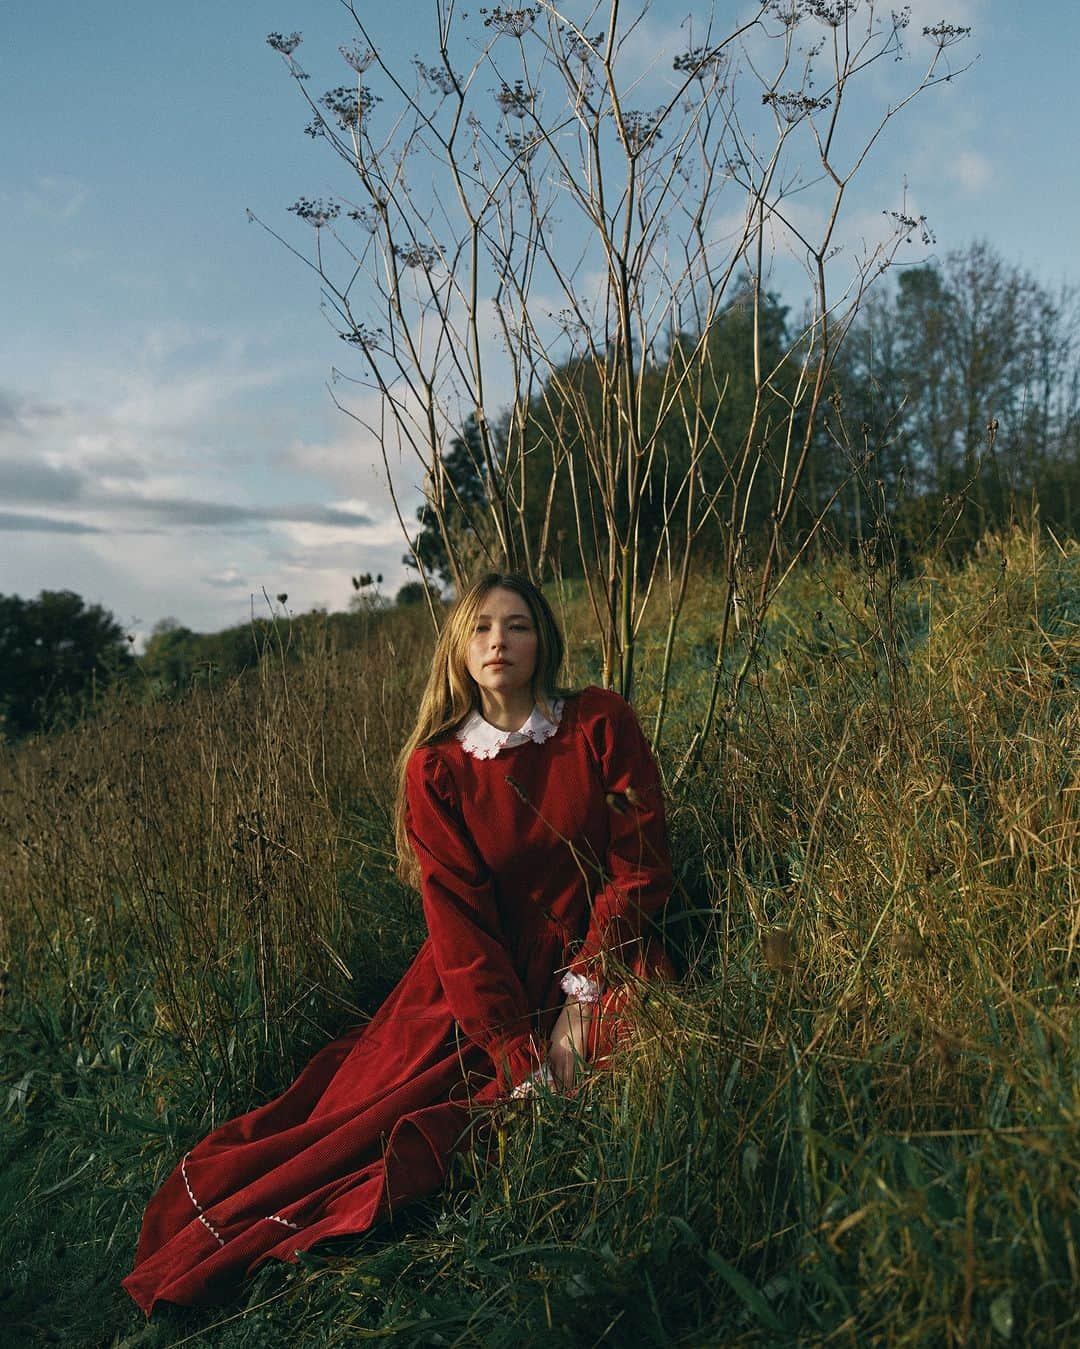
x=853, y=1120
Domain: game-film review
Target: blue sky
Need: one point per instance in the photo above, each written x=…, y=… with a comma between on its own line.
x=168, y=443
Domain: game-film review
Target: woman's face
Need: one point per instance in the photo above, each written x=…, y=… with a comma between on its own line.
x=501, y=655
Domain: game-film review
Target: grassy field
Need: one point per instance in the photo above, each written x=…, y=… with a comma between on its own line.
x=855, y=1120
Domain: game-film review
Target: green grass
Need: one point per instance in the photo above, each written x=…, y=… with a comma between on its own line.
x=853, y=1121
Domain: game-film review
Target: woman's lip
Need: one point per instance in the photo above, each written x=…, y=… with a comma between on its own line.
x=492, y=663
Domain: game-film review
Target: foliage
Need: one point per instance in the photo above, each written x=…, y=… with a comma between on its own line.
x=175, y=658
x=853, y=1119
x=716, y=370
x=960, y=386
x=56, y=653
x=413, y=592
x=457, y=528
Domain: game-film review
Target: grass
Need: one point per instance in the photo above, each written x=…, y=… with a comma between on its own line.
x=853, y=1121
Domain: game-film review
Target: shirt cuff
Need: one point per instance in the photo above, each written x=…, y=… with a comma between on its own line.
x=580, y=986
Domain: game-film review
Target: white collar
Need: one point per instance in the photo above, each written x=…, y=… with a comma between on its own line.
x=483, y=741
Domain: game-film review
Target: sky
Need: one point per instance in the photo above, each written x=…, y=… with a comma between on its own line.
x=170, y=447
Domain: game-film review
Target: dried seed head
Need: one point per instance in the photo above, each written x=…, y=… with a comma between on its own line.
x=357, y=57
x=515, y=100
x=511, y=22
x=285, y=44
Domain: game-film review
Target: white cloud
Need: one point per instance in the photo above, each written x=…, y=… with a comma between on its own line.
x=227, y=578
x=351, y=461
x=974, y=171
x=57, y=196
x=154, y=485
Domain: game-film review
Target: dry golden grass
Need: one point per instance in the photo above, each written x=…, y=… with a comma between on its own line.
x=854, y=1120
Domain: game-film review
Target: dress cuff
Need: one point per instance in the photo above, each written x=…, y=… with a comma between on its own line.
x=543, y=1077
x=580, y=986
x=514, y=1060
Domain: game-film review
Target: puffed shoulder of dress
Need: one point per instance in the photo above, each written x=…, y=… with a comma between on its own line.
x=596, y=704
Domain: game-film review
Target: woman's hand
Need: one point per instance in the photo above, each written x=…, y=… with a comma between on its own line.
x=570, y=1041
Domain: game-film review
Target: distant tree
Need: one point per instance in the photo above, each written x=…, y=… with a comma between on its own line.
x=175, y=656
x=169, y=658
x=413, y=592
x=55, y=651
x=459, y=490
x=554, y=426
x=962, y=384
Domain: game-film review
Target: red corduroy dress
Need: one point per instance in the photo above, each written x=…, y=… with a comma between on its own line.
x=546, y=857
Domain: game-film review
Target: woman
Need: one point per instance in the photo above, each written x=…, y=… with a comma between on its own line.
x=532, y=820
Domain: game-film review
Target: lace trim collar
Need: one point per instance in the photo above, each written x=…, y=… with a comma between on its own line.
x=483, y=741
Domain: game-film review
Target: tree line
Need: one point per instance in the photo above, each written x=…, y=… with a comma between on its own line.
x=953, y=406
x=58, y=653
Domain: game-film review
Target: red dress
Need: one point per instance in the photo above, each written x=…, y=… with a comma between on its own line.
x=545, y=857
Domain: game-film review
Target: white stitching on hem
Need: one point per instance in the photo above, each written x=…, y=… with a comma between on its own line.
x=270, y=1217
x=198, y=1207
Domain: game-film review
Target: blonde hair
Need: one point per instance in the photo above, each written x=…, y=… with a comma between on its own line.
x=451, y=693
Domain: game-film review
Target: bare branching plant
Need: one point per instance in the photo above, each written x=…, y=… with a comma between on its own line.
x=542, y=231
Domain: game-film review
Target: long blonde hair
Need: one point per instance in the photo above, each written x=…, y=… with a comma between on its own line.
x=451, y=692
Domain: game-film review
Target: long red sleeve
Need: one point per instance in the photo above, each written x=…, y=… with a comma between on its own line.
x=482, y=988
x=638, y=875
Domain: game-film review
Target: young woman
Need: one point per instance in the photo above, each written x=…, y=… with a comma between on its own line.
x=531, y=818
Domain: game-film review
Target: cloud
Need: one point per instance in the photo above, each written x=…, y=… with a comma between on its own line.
x=46, y=477
x=172, y=434
x=150, y=403
x=40, y=485
x=34, y=481
x=155, y=478
x=352, y=460
x=14, y=522
x=223, y=514
x=229, y=579
x=21, y=414
x=343, y=461
x=974, y=171
x=58, y=196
